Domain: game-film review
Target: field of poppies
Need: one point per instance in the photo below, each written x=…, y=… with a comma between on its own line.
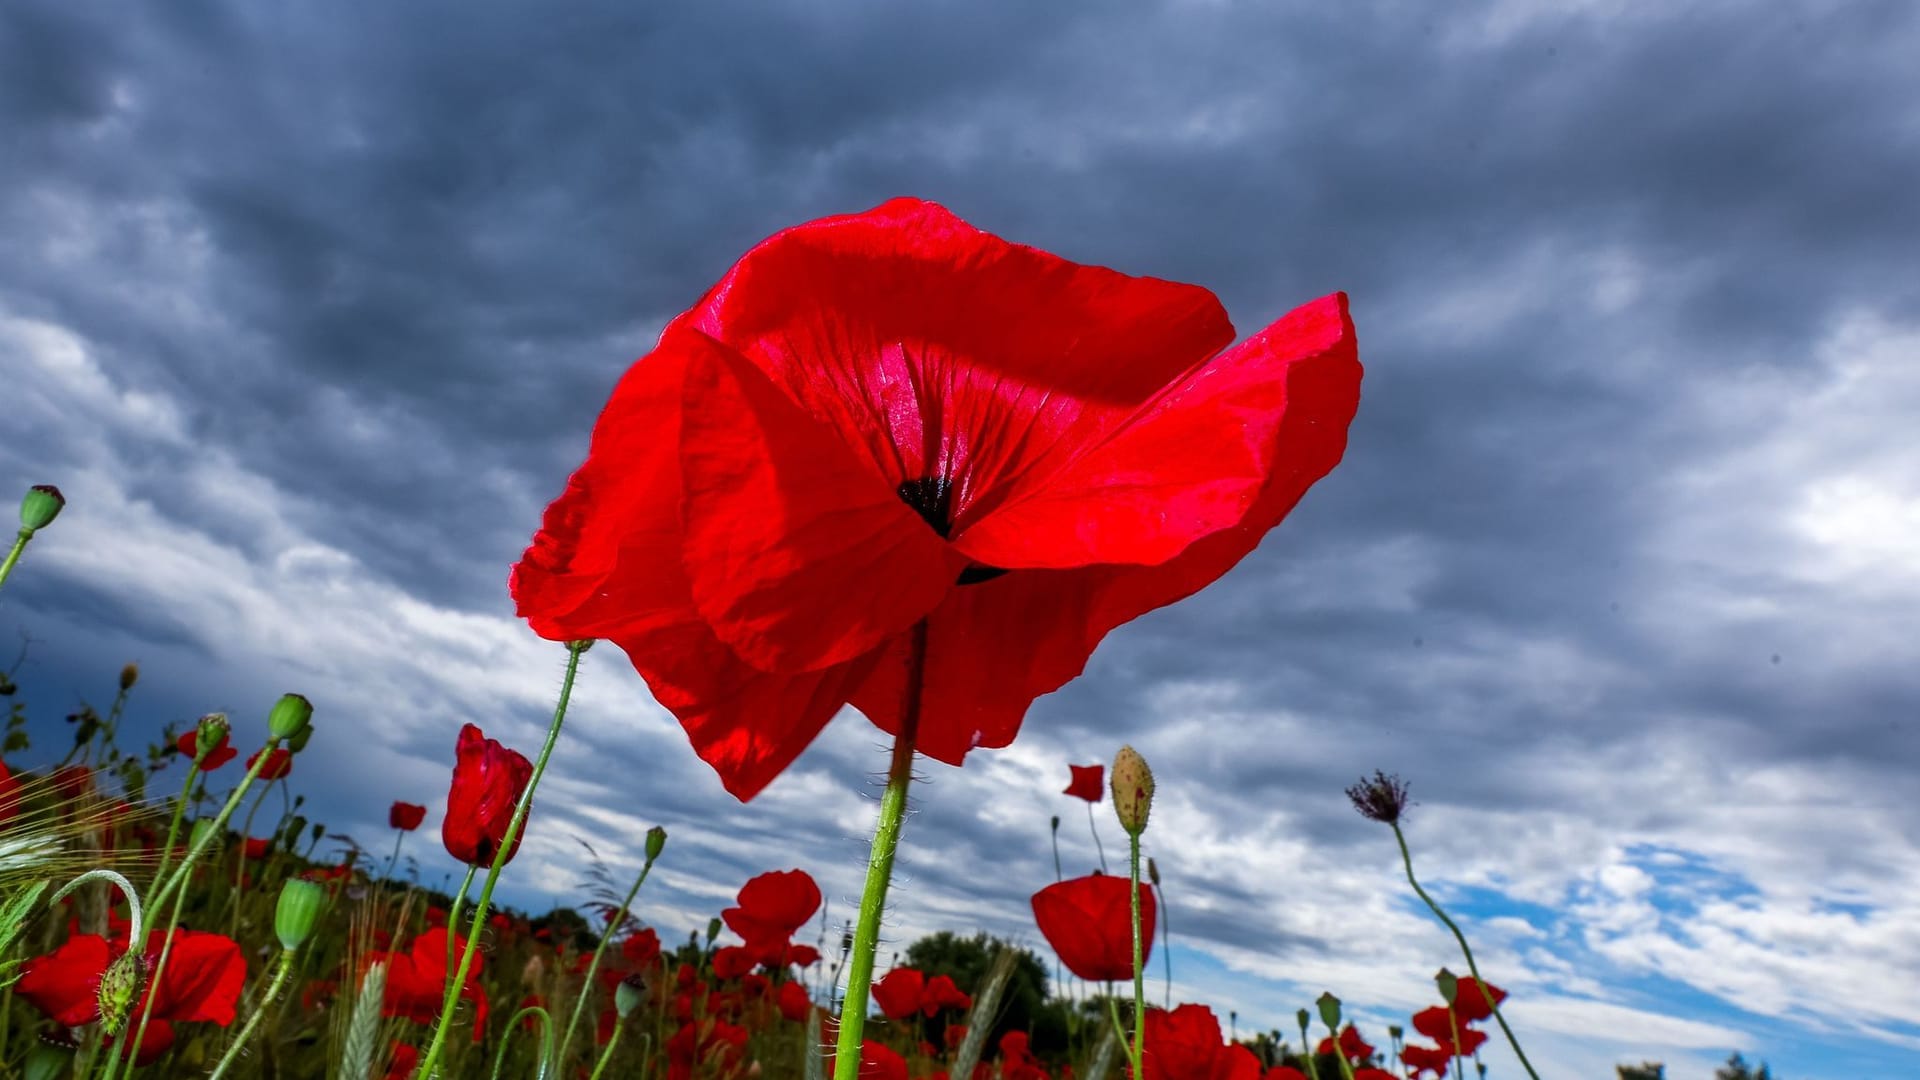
x=889, y=460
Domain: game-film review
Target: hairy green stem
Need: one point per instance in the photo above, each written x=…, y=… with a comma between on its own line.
x=279, y=983
x=453, y=921
x=614, y=922
x=607, y=1054
x=886, y=841
x=19, y=545
x=546, y=1042
x=431, y=1059
x=1406, y=858
x=159, y=972
x=1139, y=961
x=173, y=828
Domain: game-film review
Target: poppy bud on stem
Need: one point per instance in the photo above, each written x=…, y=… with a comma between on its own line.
x=1132, y=798
x=429, y=1062
x=656, y=843
x=41, y=505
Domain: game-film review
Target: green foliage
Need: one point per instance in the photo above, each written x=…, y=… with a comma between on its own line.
x=13, y=919
x=1025, y=1004
x=1737, y=1068
x=1646, y=1070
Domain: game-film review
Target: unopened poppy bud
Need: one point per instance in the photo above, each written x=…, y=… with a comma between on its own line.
x=581, y=645
x=656, y=842
x=319, y=831
x=290, y=716
x=47, y=1061
x=1302, y=1017
x=1329, y=1010
x=1132, y=784
x=1394, y=1031
x=1449, y=986
x=209, y=736
x=128, y=676
x=628, y=995
x=713, y=930
x=1153, y=872
x=1056, y=823
x=295, y=826
x=119, y=986
x=299, y=742
x=40, y=507
x=298, y=911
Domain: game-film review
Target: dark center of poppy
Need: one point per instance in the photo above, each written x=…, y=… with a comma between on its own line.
x=932, y=498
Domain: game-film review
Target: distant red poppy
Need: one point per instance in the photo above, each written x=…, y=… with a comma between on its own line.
x=1089, y=923
x=1437, y=1024
x=794, y=1002
x=417, y=980
x=189, y=744
x=488, y=780
x=877, y=1062
x=279, y=763
x=257, y=849
x=9, y=795
x=942, y=994
x=1016, y=1058
x=891, y=417
x=641, y=948
x=772, y=907
x=403, y=1061
x=713, y=1046
x=73, y=782
x=1352, y=1047
x=898, y=992
x=406, y=816
x=1284, y=1072
x=1428, y=1059
x=732, y=961
x=1474, y=1004
x=802, y=955
x=1185, y=1044
x=1089, y=782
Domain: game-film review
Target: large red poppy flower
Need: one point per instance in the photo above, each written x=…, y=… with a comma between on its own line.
x=1185, y=1044
x=898, y=993
x=406, y=816
x=202, y=981
x=488, y=779
x=1089, y=923
x=641, y=949
x=1436, y=1023
x=1352, y=1047
x=892, y=417
x=189, y=744
x=1089, y=782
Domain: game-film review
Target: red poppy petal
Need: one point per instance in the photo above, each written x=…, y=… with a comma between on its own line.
x=606, y=560
x=204, y=976
x=65, y=984
x=1190, y=462
x=942, y=350
x=799, y=556
x=747, y=724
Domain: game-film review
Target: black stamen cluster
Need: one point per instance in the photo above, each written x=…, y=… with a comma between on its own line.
x=1382, y=799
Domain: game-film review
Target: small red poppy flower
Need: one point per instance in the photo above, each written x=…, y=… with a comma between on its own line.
x=417, y=979
x=1436, y=1023
x=1016, y=1058
x=488, y=780
x=898, y=993
x=877, y=1062
x=941, y=994
x=794, y=1002
x=403, y=1061
x=279, y=763
x=189, y=744
x=1428, y=1059
x=257, y=849
x=732, y=961
x=1185, y=1044
x=1352, y=1046
x=889, y=418
x=802, y=955
x=9, y=794
x=406, y=816
x=641, y=949
x=1089, y=923
x=772, y=907
x=1473, y=1003
x=954, y=1035
x=1089, y=782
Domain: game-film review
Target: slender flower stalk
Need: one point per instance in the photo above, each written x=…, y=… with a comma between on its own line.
x=399, y=837
x=1097, y=845
x=179, y=875
x=614, y=922
x=1166, y=929
x=282, y=969
x=41, y=505
x=430, y=1060
x=173, y=827
x=453, y=921
x=606, y=1055
x=1306, y=1045
x=1139, y=974
x=886, y=840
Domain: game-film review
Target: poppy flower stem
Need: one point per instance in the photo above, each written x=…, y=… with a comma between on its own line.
x=1406, y=859
x=173, y=828
x=614, y=922
x=1097, y=845
x=400, y=837
x=19, y=545
x=430, y=1060
x=529, y=1012
x=886, y=840
x=139, y=1031
x=1139, y=961
x=218, y=827
x=607, y=1055
x=281, y=971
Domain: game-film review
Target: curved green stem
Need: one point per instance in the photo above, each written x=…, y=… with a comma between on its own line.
x=546, y=1042
x=507, y=843
x=1406, y=858
x=19, y=545
x=614, y=922
x=607, y=1054
x=173, y=827
x=1306, y=1048
x=279, y=983
x=400, y=837
x=886, y=840
x=453, y=924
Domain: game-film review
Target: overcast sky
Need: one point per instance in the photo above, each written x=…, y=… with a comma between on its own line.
x=309, y=310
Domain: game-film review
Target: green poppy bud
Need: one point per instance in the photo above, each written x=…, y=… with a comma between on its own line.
x=296, y=825
x=1394, y=1031
x=119, y=986
x=628, y=995
x=290, y=716
x=1132, y=784
x=40, y=507
x=1153, y=872
x=1302, y=1017
x=1449, y=986
x=299, y=741
x=656, y=842
x=128, y=676
x=47, y=1061
x=1056, y=823
x=1329, y=1010
x=299, y=908
x=713, y=930
x=209, y=736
